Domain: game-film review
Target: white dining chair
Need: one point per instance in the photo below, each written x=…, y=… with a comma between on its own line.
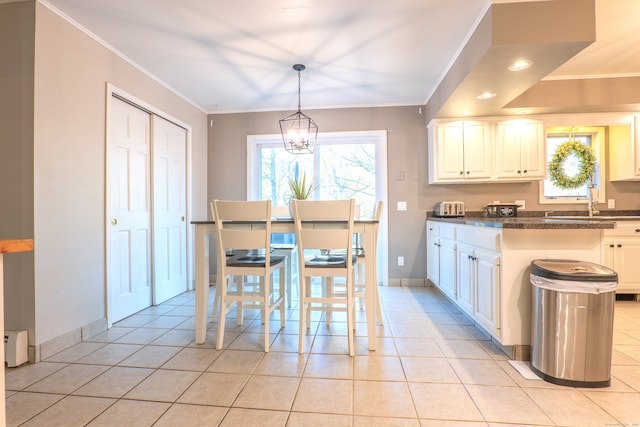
x=360, y=279
x=322, y=226
x=245, y=228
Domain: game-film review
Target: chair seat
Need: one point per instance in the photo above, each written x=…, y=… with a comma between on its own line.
x=329, y=261
x=253, y=260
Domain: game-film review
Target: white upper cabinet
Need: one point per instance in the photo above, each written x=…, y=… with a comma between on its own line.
x=460, y=151
x=520, y=153
x=624, y=152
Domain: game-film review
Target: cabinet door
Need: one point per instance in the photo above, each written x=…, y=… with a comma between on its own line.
x=487, y=294
x=478, y=162
x=532, y=150
x=466, y=277
x=448, y=267
x=520, y=150
x=433, y=259
x=625, y=261
x=507, y=151
x=449, y=151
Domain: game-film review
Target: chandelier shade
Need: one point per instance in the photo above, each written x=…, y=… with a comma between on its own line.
x=299, y=131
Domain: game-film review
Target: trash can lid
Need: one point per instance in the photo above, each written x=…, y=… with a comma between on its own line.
x=572, y=270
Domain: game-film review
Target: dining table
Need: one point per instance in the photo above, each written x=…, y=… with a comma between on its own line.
x=366, y=228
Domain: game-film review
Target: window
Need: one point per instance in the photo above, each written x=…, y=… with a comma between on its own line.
x=344, y=165
x=592, y=137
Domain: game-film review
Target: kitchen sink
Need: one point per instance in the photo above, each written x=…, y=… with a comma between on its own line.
x=593, y=218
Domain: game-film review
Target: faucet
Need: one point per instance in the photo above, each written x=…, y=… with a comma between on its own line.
x=592, y=200
x=546, y=213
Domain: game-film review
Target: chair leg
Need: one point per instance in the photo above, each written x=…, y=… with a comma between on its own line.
x=216, y=303
x=378, y=307
x=282, y=293
x=328, y=293
x=240, y=291
x=303, y=300
x=286, y=271
x=264, y=313
x=222, y=314
x=351, y=324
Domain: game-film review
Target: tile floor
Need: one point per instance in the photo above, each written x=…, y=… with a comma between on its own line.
x=432, y=368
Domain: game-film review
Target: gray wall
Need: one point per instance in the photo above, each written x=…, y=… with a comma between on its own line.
x=407, y=152
x=17, y=32
x=64, y=174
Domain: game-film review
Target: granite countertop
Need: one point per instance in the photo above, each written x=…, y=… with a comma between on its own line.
x=538, y=220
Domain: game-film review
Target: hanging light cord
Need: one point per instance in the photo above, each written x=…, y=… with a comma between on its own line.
x=299, y=107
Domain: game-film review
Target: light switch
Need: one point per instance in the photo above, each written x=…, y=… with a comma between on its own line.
x=402, y=206
x=400, y=261
x=611, y=203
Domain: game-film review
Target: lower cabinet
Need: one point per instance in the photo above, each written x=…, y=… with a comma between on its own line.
x=621, y=252
x=487, y=286
x=479, y=286
x=464, y=263
x=466, y=278
x=448, y=267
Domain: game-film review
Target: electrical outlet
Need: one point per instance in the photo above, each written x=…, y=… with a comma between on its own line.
x=521, y=203
x=402, y=206
x=400, y=261
x=611, y=203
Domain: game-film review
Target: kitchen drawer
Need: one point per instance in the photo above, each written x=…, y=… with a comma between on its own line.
x=480, y=238
x=448, y=231
x=624, y=228
x=433, y=228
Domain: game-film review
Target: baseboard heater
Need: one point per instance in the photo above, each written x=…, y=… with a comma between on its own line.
x=16, y=345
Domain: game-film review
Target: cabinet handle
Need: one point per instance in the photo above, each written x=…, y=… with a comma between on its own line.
x=467, y=172
x=461, y=173
x=619, y=245
x=611, y=245
x=637, y=230
x=519, y=172
x=525, y=171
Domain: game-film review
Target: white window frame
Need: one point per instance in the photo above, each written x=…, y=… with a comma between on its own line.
x=378, y=137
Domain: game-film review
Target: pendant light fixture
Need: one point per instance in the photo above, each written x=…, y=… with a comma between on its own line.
x=299, y=131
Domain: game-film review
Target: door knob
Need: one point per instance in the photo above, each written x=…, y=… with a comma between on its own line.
x=114, y=221
x=182, y=219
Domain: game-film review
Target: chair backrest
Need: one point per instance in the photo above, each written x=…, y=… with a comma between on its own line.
x=231, y=235
x=332, y=226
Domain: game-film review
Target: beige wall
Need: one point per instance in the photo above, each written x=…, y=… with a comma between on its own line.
x=17, y=23
x=407, y=152
x=68, y=173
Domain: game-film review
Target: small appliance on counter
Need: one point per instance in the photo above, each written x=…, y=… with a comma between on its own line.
x=501, y=210
x=449, y=209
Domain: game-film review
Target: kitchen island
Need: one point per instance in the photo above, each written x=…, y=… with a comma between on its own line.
x=483, y=266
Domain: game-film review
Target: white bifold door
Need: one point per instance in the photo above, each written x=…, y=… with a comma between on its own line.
x=146, y=210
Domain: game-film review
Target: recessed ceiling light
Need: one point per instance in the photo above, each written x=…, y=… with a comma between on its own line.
x=520, y=64
x=486, y=95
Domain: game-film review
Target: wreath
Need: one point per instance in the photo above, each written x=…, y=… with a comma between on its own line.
x=586, y=165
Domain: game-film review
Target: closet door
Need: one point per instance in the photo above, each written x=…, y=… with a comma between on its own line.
x=128, y=210
x=169, y=209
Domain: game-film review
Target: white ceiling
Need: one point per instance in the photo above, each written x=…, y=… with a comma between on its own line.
x=231, y=56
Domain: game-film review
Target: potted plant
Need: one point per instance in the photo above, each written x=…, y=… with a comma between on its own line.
x=300, y=189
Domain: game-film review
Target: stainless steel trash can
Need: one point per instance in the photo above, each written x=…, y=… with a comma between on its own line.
x=572, y=322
